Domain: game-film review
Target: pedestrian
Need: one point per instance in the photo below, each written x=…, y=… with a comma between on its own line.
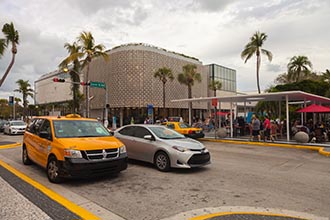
x=255, y=124
x=147, y=120
x=267, y=127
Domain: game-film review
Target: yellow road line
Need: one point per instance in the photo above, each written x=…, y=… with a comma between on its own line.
x=10, y=145
x=268, y=144
x=205, y=217
x=83, y=213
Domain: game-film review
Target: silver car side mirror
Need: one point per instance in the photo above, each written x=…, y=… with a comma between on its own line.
x=148, y=137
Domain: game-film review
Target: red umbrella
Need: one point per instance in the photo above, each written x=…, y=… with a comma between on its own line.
x=221, y=113
x=315, y=108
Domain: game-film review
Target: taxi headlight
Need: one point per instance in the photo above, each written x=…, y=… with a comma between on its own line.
x=72, y=153
x=122, y=149
x=181, y=149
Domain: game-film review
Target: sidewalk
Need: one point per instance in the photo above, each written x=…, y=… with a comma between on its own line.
x=21, y=200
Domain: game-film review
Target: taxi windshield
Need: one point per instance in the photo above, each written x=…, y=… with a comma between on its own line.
x=184, y=125
x=79, y=128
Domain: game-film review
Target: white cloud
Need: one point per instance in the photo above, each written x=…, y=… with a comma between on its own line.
x=214, y=31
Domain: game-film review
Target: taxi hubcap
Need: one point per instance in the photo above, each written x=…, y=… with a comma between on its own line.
x=52, y=170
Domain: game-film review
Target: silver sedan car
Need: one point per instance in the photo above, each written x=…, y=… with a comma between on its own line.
x=14, y=127
x=161, y=146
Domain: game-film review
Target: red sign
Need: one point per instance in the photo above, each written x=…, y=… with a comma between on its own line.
x=215, y=102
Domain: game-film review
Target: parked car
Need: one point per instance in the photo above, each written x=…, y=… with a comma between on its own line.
x=185, y=129
x=163, y=147
x=14, y=127
x=2, y=124
x=175, y=118
x=72, y=146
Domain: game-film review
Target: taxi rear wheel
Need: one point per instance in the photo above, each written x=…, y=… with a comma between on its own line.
x=162, y=161
x=25, y=156
x=53, y=170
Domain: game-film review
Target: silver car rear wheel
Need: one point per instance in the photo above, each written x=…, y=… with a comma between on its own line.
x=162, y=161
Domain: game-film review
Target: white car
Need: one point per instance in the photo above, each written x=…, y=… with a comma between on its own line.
x=14, y=127
x=163, y=147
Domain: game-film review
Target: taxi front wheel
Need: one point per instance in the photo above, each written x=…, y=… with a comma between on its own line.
x=53, y=170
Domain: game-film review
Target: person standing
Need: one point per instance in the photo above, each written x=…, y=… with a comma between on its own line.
x=255, y=127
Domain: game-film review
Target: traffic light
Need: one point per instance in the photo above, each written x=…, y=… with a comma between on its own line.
x=58, y=80
x=85, y=83
x=11, y=100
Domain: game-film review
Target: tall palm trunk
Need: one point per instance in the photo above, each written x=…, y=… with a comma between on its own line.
x=258, y=69
x=164, y=99
x=190, y=103
x=14, y=51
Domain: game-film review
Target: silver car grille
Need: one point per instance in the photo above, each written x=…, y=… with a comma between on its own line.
x=198, y=150
x=101, y=154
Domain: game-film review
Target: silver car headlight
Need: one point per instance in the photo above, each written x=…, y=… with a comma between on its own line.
x=69, y=153
x=122, y=149
x=181, y=149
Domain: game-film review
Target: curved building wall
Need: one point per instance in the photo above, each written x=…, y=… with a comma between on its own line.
x=128, y=74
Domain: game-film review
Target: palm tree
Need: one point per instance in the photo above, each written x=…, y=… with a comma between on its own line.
x=12, y=37
x=255, y=47
x=2, y=46
x=326, y=76
x=164, y=74
x=88, y=50
x=25, y=89
x=73, y=49
x=188, y=77
x=297, y=66
x=215, y=85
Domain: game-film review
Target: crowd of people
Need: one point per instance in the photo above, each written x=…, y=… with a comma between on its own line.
x=317, y=132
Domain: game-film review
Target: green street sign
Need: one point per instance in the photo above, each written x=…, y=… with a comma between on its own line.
x=97, y=84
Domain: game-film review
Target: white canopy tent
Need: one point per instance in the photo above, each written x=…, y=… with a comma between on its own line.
x=288, y=96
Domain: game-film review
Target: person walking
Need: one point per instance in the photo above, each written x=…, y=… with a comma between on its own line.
x=267, y=127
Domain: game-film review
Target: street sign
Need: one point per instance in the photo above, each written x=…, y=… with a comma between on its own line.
x=215, y=102
x=97, y=84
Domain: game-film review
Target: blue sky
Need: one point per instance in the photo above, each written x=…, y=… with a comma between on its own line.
x=214, y=31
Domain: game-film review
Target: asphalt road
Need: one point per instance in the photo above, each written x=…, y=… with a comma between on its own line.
x=240, y=175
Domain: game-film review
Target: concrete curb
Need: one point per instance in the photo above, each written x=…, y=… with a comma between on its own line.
x=210, y=212
x=321, y=150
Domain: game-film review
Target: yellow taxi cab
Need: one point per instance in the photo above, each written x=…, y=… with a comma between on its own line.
x=185, y=129
x=72, y=146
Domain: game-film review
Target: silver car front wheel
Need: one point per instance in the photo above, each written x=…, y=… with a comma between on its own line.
x=162, y=161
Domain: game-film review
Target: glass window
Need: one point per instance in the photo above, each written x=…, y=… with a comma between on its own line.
x=165, y=133
x=141, y=132
x=127, y=131
x=45, y=127
x=79, y=128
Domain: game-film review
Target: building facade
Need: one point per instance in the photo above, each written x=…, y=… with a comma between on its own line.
x=131, y=85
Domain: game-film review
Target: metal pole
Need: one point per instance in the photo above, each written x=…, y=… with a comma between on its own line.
x=87, y=101
x=106, y=122
x=14, y=113
x=287, y=118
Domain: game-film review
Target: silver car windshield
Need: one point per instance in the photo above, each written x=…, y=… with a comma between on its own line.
x=79, y=128
x=165, y=133
x=17, y=123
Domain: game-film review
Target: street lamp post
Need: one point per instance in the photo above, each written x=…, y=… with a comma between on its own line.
x=66, y=70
